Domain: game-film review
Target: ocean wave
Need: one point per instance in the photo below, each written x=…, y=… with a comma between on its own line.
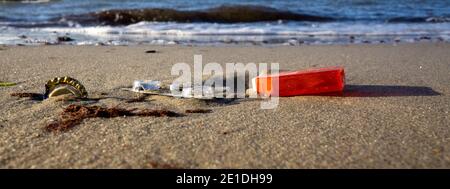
x=221, y=14
x=256, y=29
x=432, y=19
x=25, y=1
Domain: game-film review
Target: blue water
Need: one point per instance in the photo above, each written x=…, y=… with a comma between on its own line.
x=364, y=21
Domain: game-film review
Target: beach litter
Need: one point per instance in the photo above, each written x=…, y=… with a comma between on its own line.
x=146, y=85
x=198, y=92
x=75, y=114
x=152, y=87
x=7, y=84
x=303, y=82
x=64, y=85
x=56, y=87
x=315, y=81
x=149, y=87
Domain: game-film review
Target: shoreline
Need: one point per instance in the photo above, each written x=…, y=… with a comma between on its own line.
x=61, y=36
x=394, y=112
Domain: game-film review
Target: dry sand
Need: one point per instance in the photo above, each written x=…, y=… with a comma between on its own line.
x=394, y=113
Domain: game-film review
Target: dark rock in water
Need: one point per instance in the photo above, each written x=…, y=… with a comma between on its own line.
x=22, y=36
x=64, y=39
x=150, y=51
x=425, y=38
x=222, y=14
x=352, y=39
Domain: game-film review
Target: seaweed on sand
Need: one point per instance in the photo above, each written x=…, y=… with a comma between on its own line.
x=75, y=114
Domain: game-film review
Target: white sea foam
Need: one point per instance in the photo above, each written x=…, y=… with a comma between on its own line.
x=199, y=29
x=273, y=32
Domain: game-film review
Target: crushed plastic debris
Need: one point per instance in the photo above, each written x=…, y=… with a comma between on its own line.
x=200, y=92
x=152, y=87
x=146, y=85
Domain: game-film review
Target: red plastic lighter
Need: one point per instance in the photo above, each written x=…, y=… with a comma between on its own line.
x=303, y=82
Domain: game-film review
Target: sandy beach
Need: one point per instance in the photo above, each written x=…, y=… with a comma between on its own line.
x=394, y=113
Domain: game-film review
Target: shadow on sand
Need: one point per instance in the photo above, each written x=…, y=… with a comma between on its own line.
x=385, y=91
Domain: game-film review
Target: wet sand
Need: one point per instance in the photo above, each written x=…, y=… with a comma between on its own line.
x=394, y=112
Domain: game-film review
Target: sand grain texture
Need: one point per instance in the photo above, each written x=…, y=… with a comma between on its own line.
x=394, y=113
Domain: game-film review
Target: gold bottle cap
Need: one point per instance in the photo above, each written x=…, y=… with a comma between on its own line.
x=64, y=85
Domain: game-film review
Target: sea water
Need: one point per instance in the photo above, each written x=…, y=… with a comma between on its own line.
x=344, y=21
